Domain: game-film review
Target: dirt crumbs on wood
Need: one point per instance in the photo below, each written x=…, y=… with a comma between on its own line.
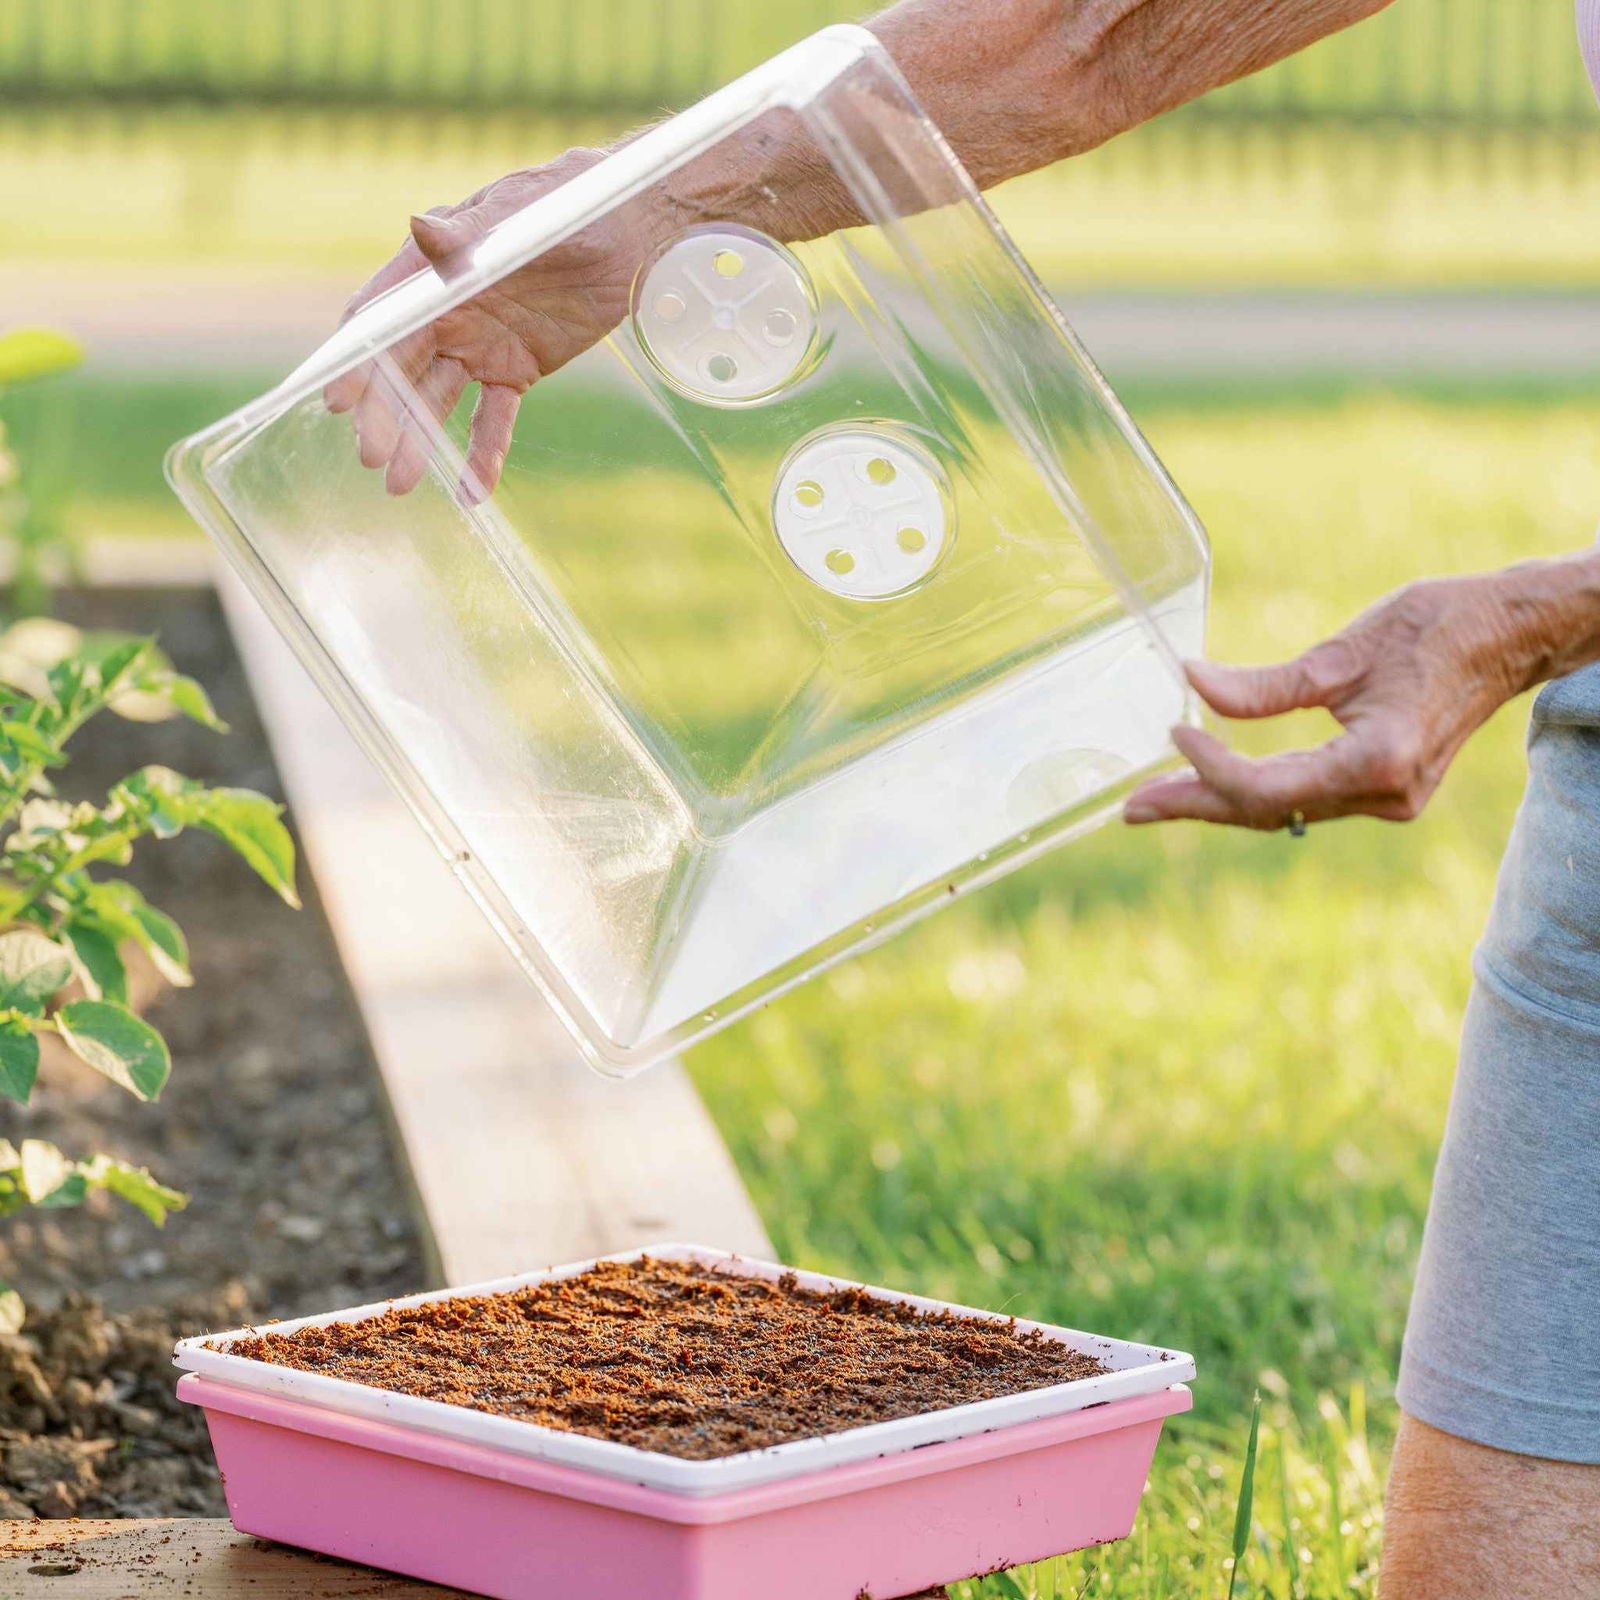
x=681, y=1359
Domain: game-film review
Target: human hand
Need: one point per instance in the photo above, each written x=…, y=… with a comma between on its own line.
x=522, y=328
x=1409, y=681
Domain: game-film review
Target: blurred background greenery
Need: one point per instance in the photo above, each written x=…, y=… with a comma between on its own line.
x=1183, y=1085
x=1444, y=138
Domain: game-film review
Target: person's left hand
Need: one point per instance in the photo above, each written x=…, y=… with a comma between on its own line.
x=1409, y=681
x=536, y=318
x=526, y=326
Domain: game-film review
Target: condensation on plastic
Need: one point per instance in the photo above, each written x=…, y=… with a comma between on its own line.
x=681, y=766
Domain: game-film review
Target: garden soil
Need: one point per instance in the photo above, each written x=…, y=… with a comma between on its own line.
x=273, y=1123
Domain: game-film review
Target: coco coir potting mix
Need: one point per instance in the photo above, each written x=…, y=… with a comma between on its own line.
x=681, y=1358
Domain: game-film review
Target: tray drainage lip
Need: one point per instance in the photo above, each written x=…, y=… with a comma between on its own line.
x=1150, y=1369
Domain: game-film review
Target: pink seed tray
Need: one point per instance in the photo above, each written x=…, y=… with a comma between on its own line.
x=933, y=1498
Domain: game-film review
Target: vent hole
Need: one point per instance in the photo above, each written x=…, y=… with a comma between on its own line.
x=808, y=493
x=727, y=263
x=880, y=470
x=841, y=562
x=722, y=368
x=911, y=540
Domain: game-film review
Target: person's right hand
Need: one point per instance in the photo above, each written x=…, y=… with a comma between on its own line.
x=1409, y=681
x=521, y=329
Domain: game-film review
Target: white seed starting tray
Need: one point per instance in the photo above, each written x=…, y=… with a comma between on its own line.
x=1135, y=1370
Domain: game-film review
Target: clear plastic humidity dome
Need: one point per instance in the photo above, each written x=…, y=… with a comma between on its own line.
x=825, y=577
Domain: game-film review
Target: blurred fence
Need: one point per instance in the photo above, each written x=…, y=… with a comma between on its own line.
x=1502, y=66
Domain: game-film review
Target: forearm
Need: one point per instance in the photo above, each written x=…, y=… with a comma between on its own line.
x=1015, y=85
x=1011, y=84
x=1547, y=618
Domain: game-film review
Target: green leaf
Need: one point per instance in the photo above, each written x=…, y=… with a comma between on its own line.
x=1007, y=1585
x=99, y=961
x=72, y=1192
x=1247, y=1485
x=116, y=1043
x=102, y=645
x=19, y=1060
x=21, y=742
x=32, y=968
x=154, y=694
x=164, y=943
x=124, y=908
x=12, y=1311
x=117, y=658
x=192, y=700
x=27, y=353
x=137, y=1187
x=44, y=1169
x=249, y=822
x=166, y=800
x=74, y=685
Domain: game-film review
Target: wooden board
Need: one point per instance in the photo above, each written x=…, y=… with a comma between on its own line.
x=522, y=1156
x=194, y=1557
x=199, y=1558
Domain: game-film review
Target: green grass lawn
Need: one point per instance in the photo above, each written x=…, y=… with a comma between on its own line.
x=1179, y=1085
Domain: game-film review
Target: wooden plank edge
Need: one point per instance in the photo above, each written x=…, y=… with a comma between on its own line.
x=557, y=1163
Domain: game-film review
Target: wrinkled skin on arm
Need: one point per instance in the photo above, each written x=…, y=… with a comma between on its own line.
x=1013, y=85
x=535, y=320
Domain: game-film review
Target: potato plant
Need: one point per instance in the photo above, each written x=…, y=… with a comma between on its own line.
x=67, y=930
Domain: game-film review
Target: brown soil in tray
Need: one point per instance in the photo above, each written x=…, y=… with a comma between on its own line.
x=679, y=1358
